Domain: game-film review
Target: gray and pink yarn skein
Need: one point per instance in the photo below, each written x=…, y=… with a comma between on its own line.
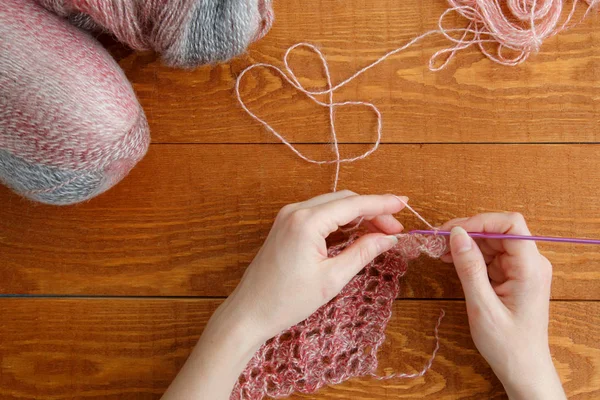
x=71, y=126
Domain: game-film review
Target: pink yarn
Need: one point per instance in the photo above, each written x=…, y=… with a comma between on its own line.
x=78, y=104
x=522, y=30
x=265, y=9
x=185, y=32
x=341, y=339
x=70, y=124
x=517, y=25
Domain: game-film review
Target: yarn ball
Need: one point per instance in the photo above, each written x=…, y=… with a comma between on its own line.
x=70, y=124
x=341, y=339
x=186, y=33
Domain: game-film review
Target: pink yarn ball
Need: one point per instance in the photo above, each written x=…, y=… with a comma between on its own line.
x=185, y=32
x=70, y=124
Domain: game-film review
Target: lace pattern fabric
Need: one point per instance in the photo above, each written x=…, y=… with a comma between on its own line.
x=341, y=339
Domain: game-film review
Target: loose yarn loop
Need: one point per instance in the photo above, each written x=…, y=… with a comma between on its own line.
x=185, y=32
x=341, y=339
x=427, y=365
x=520, y=30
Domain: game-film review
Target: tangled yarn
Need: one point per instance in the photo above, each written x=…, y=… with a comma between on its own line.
x=341, y=339
x=513, y=28
x=186, y=33
x=70, y=124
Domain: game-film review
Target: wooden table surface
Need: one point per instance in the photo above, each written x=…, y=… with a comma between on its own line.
x=104, y=300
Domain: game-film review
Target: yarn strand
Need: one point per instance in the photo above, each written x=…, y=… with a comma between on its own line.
x=488, y=24
x=416, y=214
x=429, y=362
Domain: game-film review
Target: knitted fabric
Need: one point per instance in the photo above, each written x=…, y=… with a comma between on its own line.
x=185, y=32
x=70, y=124
x=341, y=339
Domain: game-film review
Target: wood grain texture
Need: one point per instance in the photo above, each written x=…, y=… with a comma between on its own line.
x=190, y=218
x=131, y=349
x=553, y=97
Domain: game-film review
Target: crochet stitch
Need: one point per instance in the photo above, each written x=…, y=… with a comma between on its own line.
x=341, y=339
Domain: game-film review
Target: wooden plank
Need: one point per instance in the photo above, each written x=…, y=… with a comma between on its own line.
x=553, y=97
x=131, y=349
x=189, y=219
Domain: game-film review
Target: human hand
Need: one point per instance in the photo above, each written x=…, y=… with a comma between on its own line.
x=292, y=276
x=507, y=302
x=288, y=280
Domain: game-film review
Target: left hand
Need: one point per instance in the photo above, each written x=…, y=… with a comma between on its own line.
x=292, y=276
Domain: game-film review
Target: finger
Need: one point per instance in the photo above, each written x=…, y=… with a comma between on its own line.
x=471, y=269
x=340, y=212
x=373, y=227
x=387, y=224
x=496, y=272
x=452, y=223
x=349, y=262
x=382, y=223
x=506, y=223
x=325, y=198
x=356, y=222
x=489, y=254
x=447, y=258
x=487, y=249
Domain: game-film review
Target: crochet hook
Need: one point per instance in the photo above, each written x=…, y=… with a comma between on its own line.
x=484, y=235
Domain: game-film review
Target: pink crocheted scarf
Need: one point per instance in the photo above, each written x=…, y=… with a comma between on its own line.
x=341, y=339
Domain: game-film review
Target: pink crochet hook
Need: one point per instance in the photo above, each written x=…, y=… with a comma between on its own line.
x=484, y=235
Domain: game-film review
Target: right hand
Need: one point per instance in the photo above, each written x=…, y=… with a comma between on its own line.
x=507, y=292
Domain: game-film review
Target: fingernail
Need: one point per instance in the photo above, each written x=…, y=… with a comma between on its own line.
x=460, y=242
x=387, y=242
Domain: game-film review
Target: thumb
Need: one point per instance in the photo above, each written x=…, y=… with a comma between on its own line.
x=350, y=261
x=471, y=269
